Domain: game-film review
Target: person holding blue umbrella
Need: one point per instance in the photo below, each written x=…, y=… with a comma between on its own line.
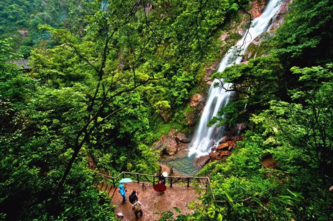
x=122, y=189
x=122, y=192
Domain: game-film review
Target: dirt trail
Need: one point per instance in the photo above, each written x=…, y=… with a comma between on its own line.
x=154, y=204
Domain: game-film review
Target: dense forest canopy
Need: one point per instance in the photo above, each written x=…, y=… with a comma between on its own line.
x=104, y=72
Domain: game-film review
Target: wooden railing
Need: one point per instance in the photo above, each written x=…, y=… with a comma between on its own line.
x=106, y=182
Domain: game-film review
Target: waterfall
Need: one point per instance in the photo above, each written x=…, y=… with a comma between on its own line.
x=207, y=137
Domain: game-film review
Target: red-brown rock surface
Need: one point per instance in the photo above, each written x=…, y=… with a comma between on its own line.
x=257, y=8
x=197, y=103
x=279, y=19
x=201, y=161
x=211, y=70
x=269, y=163
x=171, y=143
x=195, y=100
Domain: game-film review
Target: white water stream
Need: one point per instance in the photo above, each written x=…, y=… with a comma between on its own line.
x=207, y=137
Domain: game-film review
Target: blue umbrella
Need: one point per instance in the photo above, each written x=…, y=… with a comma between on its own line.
x=126, y=180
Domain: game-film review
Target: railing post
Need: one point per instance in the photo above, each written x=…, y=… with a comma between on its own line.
x=114, y=184
x=138, y=178
x=110, y=189
x=188, y=182
x=170, y=181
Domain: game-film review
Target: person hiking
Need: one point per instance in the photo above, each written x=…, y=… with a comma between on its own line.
x=122, y=192
x=161, y=178
x=161, y=181
x=133, y=197
x=136, y=207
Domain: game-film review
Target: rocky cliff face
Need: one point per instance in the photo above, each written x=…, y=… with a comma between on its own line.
x=169, y=145
x=257, y=7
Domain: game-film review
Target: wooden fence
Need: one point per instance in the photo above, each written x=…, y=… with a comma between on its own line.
x=107, y=183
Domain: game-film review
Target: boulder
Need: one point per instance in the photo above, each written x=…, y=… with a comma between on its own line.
x=223, y=146
x=180, y=137
x=223, y=139
x=215, y=156
x=171, y=143
x=201, y=161
x=224, y=153
x=166, y=145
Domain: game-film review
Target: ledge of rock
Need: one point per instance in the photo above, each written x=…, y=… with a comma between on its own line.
x=211, y=70
x=201, y=161
x=257, y=8
x=279, y=19
x=171, y=143
x=196, y=105
x=226, y=144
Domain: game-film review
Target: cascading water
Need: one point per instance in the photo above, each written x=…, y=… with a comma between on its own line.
x=207, y=137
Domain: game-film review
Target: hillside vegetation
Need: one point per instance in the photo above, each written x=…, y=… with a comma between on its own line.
x=109, y=77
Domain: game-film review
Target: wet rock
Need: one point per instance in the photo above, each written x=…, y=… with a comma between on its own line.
x=223, y=146
x=201, y=161
x=224, y=153
x=215, y=156
x=182, y=153
x=223, y=139
x=279, y=18
x=171, y=143
x=257, y=7
x=180, y=137
x=182, y=146
x=166, y=145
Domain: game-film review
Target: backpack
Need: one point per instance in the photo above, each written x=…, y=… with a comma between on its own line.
x=133, y=198
x=136, y=208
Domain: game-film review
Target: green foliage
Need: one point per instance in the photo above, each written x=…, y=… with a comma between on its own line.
x=98, y=82
x=289, y=115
